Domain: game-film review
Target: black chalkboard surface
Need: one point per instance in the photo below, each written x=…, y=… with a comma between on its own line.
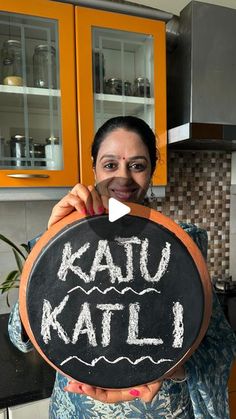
x=118, y=304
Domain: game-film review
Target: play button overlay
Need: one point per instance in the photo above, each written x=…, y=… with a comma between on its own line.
x=116, y=210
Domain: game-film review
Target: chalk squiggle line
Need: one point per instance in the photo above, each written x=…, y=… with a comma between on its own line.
x=121, y=358
x=114, y=289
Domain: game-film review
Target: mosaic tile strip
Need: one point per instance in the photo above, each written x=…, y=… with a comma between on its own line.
x=198, y=192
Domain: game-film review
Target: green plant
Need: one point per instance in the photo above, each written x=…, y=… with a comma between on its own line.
x=13, y=278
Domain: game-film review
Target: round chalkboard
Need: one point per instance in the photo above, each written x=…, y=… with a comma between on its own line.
x=115, y=305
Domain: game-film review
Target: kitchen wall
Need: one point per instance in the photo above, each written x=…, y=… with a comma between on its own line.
x=20, y=222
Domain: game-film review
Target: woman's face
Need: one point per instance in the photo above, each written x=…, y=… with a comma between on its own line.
x=123, y=167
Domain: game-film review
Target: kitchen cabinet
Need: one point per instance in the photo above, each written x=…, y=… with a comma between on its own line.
x=38, y=135
x=38, y=409
x=65, y=70
x=120, y=71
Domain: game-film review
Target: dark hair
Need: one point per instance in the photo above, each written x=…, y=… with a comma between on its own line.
x=130, y=123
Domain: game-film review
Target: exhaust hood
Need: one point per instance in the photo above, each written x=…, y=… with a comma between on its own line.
x=201, y=78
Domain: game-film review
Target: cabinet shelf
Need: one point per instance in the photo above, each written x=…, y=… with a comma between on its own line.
x=113, y=104
x=37, y=98
x=124, y=99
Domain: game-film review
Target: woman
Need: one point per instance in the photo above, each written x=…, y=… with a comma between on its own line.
x=124, y=159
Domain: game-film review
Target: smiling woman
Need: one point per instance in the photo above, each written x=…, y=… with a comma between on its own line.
x=124, y=159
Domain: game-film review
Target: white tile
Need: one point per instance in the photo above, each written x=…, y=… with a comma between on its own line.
x=37, y=215
x=12, y=222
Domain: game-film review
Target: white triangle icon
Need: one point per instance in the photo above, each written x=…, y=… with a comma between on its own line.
x=116, y=209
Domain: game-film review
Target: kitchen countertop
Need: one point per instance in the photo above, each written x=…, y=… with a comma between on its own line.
x=24, y=377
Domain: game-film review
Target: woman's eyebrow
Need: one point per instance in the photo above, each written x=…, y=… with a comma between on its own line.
x=110, y=156
x=114, y=156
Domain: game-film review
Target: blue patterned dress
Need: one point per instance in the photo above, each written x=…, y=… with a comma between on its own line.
x=203, y=395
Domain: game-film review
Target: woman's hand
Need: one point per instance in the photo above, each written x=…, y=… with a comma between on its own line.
x=83, y=199
x=146, y=392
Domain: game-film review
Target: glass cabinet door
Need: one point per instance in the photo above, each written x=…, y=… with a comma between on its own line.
x=30, y=126
x=120, y=71
x=33, y=86
x=123, y=75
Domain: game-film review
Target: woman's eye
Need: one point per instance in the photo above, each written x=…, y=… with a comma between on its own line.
x=110, y=165
x=137, y=167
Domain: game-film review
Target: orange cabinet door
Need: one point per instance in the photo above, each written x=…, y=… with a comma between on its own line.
x=121, y=70
x=38, y=135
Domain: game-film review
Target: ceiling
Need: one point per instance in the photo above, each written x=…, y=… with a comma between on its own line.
x=176, y=6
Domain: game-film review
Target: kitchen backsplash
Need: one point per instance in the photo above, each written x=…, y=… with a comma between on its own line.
x=198, y=192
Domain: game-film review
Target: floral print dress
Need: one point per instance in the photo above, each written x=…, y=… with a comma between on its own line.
x=203, y=395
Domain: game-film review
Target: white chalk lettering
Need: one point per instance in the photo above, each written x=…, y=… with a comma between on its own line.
x=84, y=319
x=133, y=329
x=67, y=262
x=127, y=243
x=103, y=251
x=163, y=265
x=108, y=310
x=49, y=319
x=178, y=324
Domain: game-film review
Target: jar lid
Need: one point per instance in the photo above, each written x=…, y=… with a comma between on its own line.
x=45, y=47
x=18, y=137
x=52, y=140
x=13, y=43
x=114, y=80
x=141, y=80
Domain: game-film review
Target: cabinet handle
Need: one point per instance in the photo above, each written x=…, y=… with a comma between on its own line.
x=28, y=176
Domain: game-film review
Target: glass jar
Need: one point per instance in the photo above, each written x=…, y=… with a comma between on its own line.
x=127, y=88
x=114, y=86
x=53, y=153
x=44, y=66
x=18, y=150
x=141, y=87
x=37, y=152
x=12, y=63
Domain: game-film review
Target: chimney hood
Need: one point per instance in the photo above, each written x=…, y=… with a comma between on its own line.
x=201, y=79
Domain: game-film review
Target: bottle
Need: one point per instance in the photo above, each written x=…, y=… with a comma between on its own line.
x=44, y=66
x=53, y=153
x=12, y=63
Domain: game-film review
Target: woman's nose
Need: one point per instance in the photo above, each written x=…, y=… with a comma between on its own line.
x=124, y=173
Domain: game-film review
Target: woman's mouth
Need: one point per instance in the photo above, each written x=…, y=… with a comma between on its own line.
x=123, y=194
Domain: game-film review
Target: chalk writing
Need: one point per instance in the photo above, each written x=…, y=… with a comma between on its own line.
x=178, y=332
x=103, y=252
x=122, y=292
x=115, y=361
x=84, y=324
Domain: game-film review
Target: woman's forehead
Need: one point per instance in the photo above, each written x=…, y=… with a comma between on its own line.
x=121, y=142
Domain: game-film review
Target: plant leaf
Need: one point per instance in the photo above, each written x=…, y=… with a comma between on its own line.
x=13, y=245
x=18, y=260
x=26, y=247
x=11, y=279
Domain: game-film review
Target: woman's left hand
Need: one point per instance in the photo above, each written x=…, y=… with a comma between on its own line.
x=146, y=392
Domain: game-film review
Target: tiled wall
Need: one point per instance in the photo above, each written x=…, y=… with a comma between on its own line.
x=198, y=191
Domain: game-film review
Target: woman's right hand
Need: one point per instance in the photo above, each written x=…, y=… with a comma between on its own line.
x=84, y=199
